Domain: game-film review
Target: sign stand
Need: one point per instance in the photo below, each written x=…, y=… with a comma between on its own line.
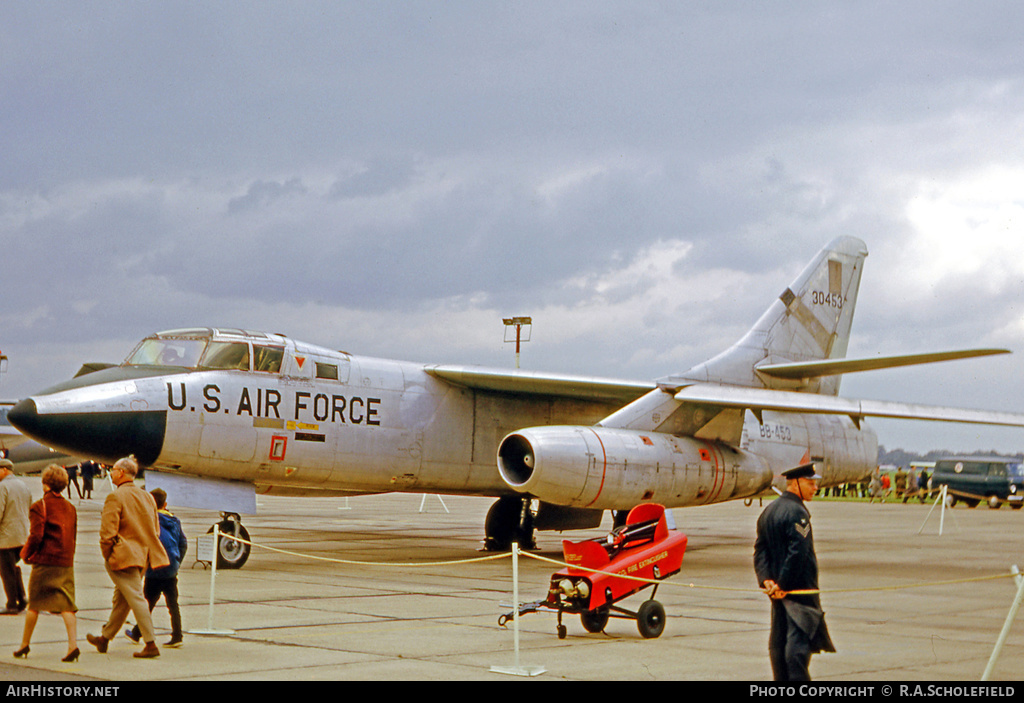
x=423, y=502
x=517, y=669
x=942, y=512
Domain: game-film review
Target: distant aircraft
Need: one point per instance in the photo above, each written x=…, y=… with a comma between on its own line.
x=30, y=457
x=220, y=415
x=9, y=435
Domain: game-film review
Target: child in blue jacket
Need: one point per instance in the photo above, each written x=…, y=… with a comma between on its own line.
x=165, y=581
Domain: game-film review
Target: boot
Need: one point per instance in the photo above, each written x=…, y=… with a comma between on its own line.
x=150, y=651
x=99, y=642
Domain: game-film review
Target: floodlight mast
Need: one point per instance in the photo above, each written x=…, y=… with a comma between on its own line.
x=518, y=323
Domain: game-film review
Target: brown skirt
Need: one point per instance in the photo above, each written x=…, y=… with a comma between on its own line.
x=51, y=589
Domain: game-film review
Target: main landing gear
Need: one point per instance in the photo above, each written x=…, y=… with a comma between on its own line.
x=231, y=554
x=509, y=520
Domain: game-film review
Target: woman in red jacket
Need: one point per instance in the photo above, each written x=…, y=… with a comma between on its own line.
x=50, y=549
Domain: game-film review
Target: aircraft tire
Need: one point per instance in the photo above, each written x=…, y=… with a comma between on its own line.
x=650, y=619
x=595, y=620
x=232, y=554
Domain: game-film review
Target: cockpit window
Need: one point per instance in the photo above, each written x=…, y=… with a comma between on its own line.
x=329, y=371
x=226, y=355
x=167, y=352
x=267, y=359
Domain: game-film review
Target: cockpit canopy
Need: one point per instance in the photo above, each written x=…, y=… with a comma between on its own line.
x=206, y=348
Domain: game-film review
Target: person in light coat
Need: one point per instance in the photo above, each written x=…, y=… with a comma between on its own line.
x=130, y=543
x=15, y=500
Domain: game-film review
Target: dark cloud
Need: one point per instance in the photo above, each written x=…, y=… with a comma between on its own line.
x=377, y=163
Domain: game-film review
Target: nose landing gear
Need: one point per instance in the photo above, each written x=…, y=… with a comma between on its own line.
x=231, y=554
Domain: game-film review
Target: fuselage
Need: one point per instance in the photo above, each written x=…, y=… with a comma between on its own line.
x=294, y=418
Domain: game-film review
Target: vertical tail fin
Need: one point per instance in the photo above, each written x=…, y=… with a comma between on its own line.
x=809, y=321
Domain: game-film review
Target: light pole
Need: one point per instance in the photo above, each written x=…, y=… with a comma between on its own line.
x=518, y=323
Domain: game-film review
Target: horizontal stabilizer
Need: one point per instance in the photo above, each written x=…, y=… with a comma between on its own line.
x=534, y=383
x=834, y=367
x=758, y=399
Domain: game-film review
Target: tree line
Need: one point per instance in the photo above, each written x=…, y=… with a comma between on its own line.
x=902, y=457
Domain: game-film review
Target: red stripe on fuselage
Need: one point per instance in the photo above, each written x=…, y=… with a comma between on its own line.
x=716, y=487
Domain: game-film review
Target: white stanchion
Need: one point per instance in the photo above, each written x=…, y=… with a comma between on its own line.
x=1006, y=625
x=210, y=629
x=942, y=512
x=517, y=669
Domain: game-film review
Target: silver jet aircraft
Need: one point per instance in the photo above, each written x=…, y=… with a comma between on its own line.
x=224, y=414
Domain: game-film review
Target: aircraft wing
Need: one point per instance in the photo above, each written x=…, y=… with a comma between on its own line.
x=833, y=367
x=758, y=399
x=534, y=383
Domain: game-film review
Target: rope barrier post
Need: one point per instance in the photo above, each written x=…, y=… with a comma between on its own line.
x=517, y=669
x=210, y=630
x=942, y=511
x=1006, y=625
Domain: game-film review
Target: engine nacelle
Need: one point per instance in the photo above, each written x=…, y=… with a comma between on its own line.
x=603, y=468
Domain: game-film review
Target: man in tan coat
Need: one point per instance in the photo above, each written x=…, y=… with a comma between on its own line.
x=130, y=542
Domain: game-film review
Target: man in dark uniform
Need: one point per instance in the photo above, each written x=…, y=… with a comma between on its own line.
x=784, y=561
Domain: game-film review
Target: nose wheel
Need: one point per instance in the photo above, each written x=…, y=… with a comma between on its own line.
x=510, y=519
x=231, y=554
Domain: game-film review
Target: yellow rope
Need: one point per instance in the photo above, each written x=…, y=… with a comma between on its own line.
x=493, y=557
x=537, y=557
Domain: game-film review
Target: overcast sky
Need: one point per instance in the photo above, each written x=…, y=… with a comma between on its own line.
x=393, y=178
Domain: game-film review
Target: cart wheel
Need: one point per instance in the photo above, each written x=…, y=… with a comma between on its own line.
x=562, y=631
x=650, y=619
x=594, y=620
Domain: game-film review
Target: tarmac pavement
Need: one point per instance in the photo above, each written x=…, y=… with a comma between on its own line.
x=901, y=606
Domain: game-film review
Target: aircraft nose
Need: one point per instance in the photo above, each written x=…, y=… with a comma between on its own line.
x=24, y=416
x=105, y=436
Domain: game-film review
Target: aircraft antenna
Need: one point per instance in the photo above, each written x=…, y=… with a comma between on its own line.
x=518, y=323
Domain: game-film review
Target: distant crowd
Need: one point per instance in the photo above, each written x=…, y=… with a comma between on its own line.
x=900, y=485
